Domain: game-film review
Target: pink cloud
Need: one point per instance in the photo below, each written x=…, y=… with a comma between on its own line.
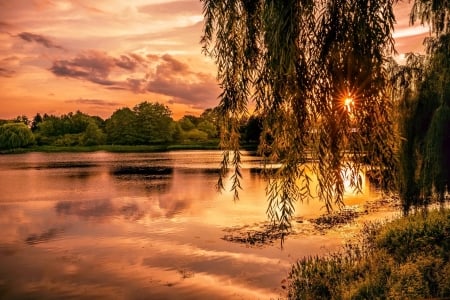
x=171, y=77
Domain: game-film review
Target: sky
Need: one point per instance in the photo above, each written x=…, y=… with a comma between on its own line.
x=58, y=56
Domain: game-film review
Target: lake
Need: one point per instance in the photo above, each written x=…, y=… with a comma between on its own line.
x=145, y=226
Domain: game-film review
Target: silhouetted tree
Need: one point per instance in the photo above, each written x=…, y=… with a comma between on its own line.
x=36, y=120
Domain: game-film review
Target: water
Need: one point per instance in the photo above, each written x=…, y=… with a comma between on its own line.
x=140, y=226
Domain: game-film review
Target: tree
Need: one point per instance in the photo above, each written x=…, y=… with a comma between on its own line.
x=186, y=123
x=121, y=128
x=15, y=135
x=425, y=126
x=36, y=120
x=22, y=119
x=253, y=129
x=208, y=127
x=93, y=135
x=154, y=122
x=316, y=72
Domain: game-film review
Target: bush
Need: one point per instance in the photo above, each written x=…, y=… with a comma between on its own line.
x=405, y=259
x=15, y=135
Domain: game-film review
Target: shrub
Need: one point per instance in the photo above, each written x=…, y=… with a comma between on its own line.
x=405, y=259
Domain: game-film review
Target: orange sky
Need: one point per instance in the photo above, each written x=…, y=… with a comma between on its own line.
x=58, y=56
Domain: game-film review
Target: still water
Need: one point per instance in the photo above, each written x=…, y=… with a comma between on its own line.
x=141, y=226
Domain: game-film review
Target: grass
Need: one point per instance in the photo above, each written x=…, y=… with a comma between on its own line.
x=114, y=148
x=408, y=258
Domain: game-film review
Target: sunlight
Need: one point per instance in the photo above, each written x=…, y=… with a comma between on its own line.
x=348, y=103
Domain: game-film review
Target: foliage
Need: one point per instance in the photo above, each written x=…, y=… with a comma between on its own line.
x=15, y=135
x=422, y=91
x=36, y=120
x=435, y=13
x=153, y=123
x=121, y=127
x=93, y=135
x=63, y=130
x=405, y=259
x=146, y=124
x=299, y=60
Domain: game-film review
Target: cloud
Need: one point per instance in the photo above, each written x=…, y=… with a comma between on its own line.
x=93, y=102
x=94, y=66
x=4, y=25
x=164, y=75
x=6, y=73
x=127, y=62
x=97, y=66
x=173, y=8
x=40, y=39
x=174, y=78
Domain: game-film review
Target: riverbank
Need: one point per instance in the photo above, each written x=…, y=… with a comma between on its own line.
x=123, y=148
x=112, y=148
x=407, y=258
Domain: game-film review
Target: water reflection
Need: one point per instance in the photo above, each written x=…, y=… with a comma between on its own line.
x=102, y=225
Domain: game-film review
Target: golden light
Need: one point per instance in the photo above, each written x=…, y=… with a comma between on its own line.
x=348, y=103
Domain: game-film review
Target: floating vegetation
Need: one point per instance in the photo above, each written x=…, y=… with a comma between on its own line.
x=264, y=234
x=346, y=215
x=391, y=202
x=260, y=235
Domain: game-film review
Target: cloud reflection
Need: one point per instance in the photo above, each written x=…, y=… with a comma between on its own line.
x=46, y=236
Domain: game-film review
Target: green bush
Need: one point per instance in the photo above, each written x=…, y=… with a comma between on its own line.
x=15, y=135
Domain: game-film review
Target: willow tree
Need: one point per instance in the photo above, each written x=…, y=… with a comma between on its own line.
x=425, y=126
x=315, y=71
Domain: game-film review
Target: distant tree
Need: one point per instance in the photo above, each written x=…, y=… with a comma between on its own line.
x=36, y=120
x=66, y=130
x=209, y=128
x=93, y=135
x=211, y=115
x=22, y=119
x=177, y=135
x=154, y=123
x=186, y=123
x=196, y=135
x=253, y=129
x=122, y=127
x=15, y=135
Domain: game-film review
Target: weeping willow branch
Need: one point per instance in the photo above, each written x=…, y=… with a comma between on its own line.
x=317, y=74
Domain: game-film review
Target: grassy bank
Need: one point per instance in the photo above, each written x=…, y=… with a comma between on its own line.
x=114, y=148
x=210, y=145
x=405, y=259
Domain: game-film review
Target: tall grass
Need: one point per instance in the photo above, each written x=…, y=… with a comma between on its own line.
x=405, y=259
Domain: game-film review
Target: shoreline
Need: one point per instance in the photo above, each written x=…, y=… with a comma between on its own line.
x=122, y=148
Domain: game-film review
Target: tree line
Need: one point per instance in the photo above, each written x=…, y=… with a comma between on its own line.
x=147, y=123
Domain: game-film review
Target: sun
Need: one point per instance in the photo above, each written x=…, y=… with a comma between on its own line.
x=348, y=103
